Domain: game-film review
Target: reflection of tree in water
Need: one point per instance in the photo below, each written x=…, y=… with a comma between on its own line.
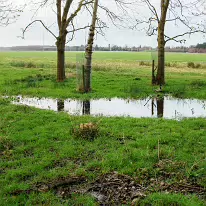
x=86, y=107
x=60, y=105
x=160, y=106
x=153, y=105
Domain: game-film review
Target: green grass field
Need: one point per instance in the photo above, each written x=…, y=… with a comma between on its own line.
x=42, y=151
x=114, y=74
x=108, y=56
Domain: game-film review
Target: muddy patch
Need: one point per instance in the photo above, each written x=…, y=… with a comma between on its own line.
x=116, y=189
x=63, y=187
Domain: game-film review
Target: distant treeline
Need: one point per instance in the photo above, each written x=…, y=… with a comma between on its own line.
x=199, y=48
x=75, y=48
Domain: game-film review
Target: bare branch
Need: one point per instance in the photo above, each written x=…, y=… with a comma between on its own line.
x=40, y=21
x=182, y=35
x=81, y=4
x=9, y=12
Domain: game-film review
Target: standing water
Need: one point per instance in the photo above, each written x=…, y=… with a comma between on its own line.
x=167, y=107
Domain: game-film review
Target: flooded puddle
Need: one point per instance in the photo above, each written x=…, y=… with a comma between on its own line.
x=167, y=107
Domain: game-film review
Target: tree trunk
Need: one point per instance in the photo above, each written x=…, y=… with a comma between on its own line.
x=88, y=52
x=61, y=61
x=87, y=72
x=153, y=73
x=160, y=77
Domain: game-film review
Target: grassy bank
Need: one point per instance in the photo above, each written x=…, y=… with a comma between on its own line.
x=40, y=148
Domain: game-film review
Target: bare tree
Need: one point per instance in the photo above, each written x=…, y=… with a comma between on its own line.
x=189, y=14
x=65, y=19
x=97, y=23
x=8, y=12
x=66, y=15
x=88, y=51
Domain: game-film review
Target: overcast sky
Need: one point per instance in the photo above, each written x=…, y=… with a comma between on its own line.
x=36, y=35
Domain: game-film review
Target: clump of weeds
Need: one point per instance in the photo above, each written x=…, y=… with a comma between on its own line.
x=144, y=63
x=193, y=65
x=87, y=131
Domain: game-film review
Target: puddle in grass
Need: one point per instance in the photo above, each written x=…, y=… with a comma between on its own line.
x=167, y=107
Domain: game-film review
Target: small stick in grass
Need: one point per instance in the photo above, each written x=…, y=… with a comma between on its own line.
x=158, y=150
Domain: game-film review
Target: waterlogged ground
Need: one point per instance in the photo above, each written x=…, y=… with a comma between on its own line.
x=53, y=158
x=164, y=107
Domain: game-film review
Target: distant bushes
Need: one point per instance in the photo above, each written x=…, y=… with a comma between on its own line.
x=102, y=67
x=31, y=64
x=167, y=64
x=145, y=63
x=193, y=65
x=23, y=64
x=171, y=64
x=176, y=64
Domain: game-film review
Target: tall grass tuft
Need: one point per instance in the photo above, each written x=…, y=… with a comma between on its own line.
x=23, y=64
x=198, y=83
x=31, y=64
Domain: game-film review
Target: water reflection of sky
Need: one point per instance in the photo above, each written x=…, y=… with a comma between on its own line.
x=171, y=108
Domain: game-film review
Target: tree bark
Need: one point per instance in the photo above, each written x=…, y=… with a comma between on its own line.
x=61, y=61
x=153, y=73
x=87, y=70
x=160, y=77
x=88, y=52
